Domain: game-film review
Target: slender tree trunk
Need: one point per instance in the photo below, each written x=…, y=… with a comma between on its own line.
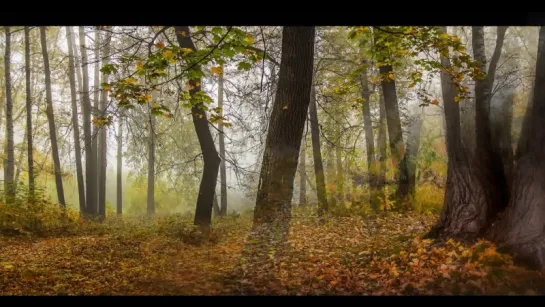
x=317, y=154
x=522, y=230
x=381, y=142
x=465, y=213
x=90, y=163
x=51, y=120
x=203, y=212
x=102, y=137
x=339, y=178
x=119, y=189
x=223, y=172
x=413, y=145
x=490, y=166
x=30, y=154
x=19, y=162
x=393, y=120
x=369, y=140
x=75, y=121
x=302, y=176
x=9, y=166
x=95, y=114
x=151, y=162
x=216, y=206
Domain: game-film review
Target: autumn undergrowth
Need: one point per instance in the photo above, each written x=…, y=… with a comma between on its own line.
x=357, y=254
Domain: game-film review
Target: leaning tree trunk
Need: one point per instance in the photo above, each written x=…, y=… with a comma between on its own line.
x=75, y=122
x=30, y=154
x=522, y=230
x=465, y=213
x=372, y=169
x=119, y=189
x=203, y=212
x=273, y=207
x=223, y=171
x=9, y=162
x=317, y=154
x=51, y=120
x=102, y=137
x=90, y=163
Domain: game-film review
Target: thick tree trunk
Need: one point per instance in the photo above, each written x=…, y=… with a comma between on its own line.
x=75, y=122
x=90, y=163
x=317, y=154
x=522, y=229
x=9, y=162
x=302, y=176
x=223, y=171
x=397, y=146
x=413, y=145
x=51, y=120
x=119, y=189
x=203, y=212
x=95, y=113
x=273, y=205
x=30, y=154
x=102, y=137
x=382, y=140
x=465, y=213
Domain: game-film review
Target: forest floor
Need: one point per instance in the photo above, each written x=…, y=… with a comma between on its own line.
x=345, y=256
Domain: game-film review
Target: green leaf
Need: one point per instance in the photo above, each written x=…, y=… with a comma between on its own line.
x=244, y=66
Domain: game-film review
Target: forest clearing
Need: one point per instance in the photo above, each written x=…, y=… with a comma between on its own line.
x=272, y=160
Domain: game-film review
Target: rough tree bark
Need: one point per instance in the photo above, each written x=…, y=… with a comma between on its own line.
x=522, y=230
x=317, y=154
x=223, y=171
x=382, y=140
x=465, y=213
x=90, y=163
x=203, y=212
x=51, y=120
x=30, y=154
x=75, y=122
x=102, y=136
x=9, y=162
x=369, y=140
x=272, y=213
x=95, y=113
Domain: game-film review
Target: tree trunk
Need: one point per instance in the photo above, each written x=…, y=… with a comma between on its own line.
x=217, y=210
x=413, y=145
x=30, y=154
x=51, y=120
x=151, y=164
x=522, y=230
x=393, y=121
x=119, y=189
x=317, y=154
x=9, y=163
x=273, y=207
x=19, y=162
x=302, y=176
x=369, y=140
x=339, y=178
x=90, y=163
x=102, y=137
x=381, y=142
x=95, y=114
x=75, y=122
x=223, y=172
x=465, y=214
x=203, y=212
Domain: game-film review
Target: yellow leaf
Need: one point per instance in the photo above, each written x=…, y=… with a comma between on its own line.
x=198, y=83
x=200, y=116
x=148, y=98
x=435, y=102
x=160, y=45
x=139, y=65
x=169, y=54
x=217, y=70
x=131, y=81
x=186, y=51
x=412, y=85
x=107, y=87
x=457, y=99
x=391, y=76
x=285, y=107
x=155, y=105
x=249, y=39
